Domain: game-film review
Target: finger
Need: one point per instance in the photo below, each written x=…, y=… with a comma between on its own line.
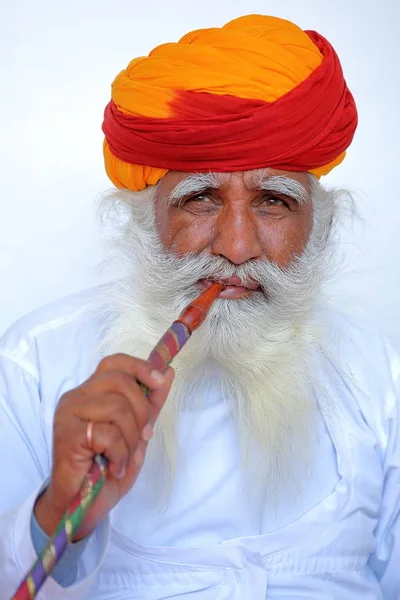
x=107, y=440
x=158, y=397
x=117, y=410
x=139, y=369
x=139, y=455
x=122, y=384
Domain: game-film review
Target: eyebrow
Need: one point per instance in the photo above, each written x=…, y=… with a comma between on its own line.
x=193, y=184
x=196, y=183
x=285, y=186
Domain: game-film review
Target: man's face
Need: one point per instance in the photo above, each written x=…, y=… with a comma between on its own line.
x=244, y=216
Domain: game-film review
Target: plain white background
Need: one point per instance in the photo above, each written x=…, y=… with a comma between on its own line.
x=57, y=62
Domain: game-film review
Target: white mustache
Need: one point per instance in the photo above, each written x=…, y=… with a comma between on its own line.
x=280, y=286
x=190, y=269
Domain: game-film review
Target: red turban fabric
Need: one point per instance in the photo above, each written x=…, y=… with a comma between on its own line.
x=258, y=92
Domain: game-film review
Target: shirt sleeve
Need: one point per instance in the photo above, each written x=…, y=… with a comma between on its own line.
x=386, y=560
x=24, y=468
x=66, y=571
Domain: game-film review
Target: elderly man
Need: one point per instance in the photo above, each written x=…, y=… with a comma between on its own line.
x=267, y=464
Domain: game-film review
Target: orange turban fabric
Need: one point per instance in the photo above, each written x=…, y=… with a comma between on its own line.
x=258, y=92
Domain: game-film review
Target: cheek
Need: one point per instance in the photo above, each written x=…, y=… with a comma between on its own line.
x=283, y=240
x=183, y=232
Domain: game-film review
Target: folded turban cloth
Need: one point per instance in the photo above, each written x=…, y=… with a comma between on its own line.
x=258, y=92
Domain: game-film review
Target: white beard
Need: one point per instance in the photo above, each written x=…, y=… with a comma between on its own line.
x=261, y=346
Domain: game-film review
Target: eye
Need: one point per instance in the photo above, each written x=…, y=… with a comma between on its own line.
x=198, y=198
x=270, y=200
x=273, y=206
x=200, y=204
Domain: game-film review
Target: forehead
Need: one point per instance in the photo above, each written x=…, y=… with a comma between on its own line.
x=250, y=180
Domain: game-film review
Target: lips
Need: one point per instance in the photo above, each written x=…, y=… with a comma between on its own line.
x=234, y=288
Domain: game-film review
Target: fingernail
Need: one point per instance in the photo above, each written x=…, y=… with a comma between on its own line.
x=158, y=377
x=121, y=474
x=147, y=432
x=138, y=457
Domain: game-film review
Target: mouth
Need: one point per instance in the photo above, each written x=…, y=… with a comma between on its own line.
x=234, y=288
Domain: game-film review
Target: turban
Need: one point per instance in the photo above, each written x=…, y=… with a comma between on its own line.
x=258, y=92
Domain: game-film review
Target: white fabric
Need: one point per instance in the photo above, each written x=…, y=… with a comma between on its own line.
x=339, y=540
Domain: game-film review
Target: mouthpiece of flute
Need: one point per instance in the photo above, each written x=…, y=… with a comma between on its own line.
x=195, y=313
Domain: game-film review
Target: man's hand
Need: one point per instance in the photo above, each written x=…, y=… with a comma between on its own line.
x=123, y=420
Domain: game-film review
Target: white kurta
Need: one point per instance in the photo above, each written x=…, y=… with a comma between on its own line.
x=340, y=539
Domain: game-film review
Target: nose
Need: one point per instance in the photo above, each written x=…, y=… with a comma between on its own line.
x=235, y=236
